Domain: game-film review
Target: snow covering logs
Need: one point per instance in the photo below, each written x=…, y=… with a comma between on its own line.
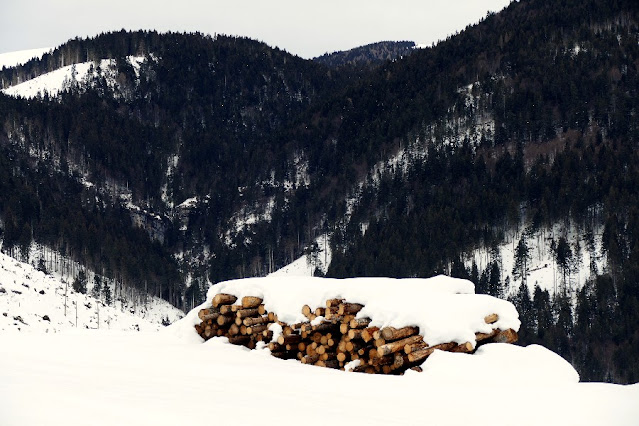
x=343, y=332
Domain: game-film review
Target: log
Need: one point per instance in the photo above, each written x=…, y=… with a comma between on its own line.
x=223, y=320
x=319, y=312
x=306, y=310
x=199, y=329
x=234, y=330
x=223, y=299
x=485, y=336
x=284, y=354
x=251, y=302
x=310, y=359
x=367, y=333
x=391, y=334
x=325, y=326
x=331, y=312
x=506, y=336
x=272, y=317
x=291, y=339
x=333, y=363
x=417, y=368
x=342, y=356
x=240, y=340
x=330, y=303
x=421, y=354
x=255, y=321
x=245, y=313
x=208, y=314
x=256, y=329
x=349, y=308
x=398, y=345
x=360, y=323
x=466, y=347
x=414, y=347
x=343, y=328
x=491, y=319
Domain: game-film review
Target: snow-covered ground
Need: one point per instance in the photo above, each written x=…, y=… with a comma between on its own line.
x=11, y=59
x=108, y=378
x=35, y=302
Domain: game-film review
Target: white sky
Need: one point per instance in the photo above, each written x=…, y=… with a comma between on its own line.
x=305, y=28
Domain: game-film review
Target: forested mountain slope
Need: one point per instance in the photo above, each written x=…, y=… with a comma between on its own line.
x=190, y=159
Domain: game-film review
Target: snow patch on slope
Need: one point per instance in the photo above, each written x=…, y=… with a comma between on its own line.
x=31, y=300
x=63, y=78
x=20, y=57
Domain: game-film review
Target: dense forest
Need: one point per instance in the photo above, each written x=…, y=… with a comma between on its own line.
x=409, y=162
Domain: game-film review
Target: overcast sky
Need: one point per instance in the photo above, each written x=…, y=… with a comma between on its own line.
x=304, y=28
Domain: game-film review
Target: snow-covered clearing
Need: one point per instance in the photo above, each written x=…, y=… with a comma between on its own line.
x=108, y=378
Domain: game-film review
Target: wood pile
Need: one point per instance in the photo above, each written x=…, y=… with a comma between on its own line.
x=331, y=337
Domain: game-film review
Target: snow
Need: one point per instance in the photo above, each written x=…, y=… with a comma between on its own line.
x=12, y=59
x=31, y=301
x=445, y=309
x=306, y=265
x=56, y=81
x=81, y=376
x=107, y=378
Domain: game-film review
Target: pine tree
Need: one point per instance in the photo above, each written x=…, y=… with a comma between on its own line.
x=522, y=259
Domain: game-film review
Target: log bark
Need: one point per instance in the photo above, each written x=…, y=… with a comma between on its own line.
x=240, y=340
x=349, y=308
x=255, y=321
x=205, y=314
x=310, y=359
x=223, y=299
x=421, y=354
x=360, y=323
x=291, y=339
x=256, y=329
x=251, y=302
x=398, y=345
x=466, y=347
x=391, y=334
x=245, y=313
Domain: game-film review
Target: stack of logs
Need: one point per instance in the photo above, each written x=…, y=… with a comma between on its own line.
x=332, y=337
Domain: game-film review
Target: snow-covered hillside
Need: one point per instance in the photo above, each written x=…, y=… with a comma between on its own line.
x=11, y=59
x=63, y=78
x=33, y=301
x=586, y=257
